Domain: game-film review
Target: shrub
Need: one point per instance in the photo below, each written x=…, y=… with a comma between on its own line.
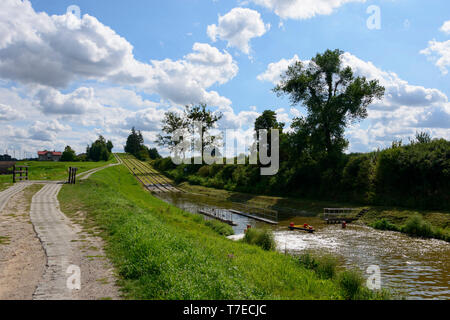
x=384, y=224
x=203, y=171
x=220, y=227
x=324, y=266
x=261, y=237
x=416, y=226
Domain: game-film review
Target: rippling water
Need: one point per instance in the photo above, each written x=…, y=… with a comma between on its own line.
x=415, y=268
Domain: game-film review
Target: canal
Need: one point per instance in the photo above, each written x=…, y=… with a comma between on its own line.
x=414, y=268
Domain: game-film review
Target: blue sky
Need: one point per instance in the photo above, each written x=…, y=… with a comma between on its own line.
x=42, y=111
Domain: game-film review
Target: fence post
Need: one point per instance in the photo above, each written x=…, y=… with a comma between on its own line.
x=14, y=174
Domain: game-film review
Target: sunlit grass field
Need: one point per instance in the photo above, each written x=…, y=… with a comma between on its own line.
x=47, y=170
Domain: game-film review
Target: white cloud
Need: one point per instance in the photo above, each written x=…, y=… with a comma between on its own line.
x=238, y=27
x=446, y=27
x=8, y=114
x=276, y=69
x=55, y=51
x=439, y=53
x=302, y=9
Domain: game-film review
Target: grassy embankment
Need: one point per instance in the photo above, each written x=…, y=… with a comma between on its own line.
x=426, y=223
x=162, y=252
x=48, y=170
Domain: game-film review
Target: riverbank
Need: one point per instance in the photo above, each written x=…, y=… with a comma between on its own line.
x=398, y=217
x=162, y=252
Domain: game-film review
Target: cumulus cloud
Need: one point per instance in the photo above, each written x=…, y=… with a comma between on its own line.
x=276, y=69
x=55, y=51
x=238, y=27
x=302, y=9
x=446, y=27
x=8, y=114
x=52, y=101
x=439, y=53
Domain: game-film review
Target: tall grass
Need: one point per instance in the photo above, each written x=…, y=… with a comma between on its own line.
x=162, y=252
x=351, y=283
x=261, y=237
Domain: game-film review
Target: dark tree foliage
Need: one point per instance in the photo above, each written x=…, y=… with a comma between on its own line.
x=109, y=146
x=135, y=146
x=68, y=155
x=98, y=151
x=332, y=95
x=154, y=154
x=135, y=142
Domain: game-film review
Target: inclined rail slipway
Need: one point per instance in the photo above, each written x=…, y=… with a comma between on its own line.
x=158, y=183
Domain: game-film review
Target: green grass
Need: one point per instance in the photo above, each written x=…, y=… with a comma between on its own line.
x=47, y=170
x=261, y=237
x=162, y=252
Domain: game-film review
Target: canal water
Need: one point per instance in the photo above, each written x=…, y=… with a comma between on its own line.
x=414, y=268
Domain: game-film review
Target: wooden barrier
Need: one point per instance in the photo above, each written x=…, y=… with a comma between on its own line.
x=21, y=174
x=72, y=175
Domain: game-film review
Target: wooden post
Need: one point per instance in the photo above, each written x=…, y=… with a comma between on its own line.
x=14, y=174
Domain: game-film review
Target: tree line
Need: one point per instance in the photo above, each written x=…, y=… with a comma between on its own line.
x=313, y=162
x=99, y=150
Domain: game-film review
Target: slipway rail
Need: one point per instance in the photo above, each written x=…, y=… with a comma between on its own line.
x=149, y=177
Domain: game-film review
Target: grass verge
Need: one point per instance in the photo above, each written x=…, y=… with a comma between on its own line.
x=162, y=252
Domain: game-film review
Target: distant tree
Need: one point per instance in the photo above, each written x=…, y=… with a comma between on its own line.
x=332, y=95
x=68, y=155
x=423, y=137
x=207, y=120
x=98, y=151
x=172, y=122
x=186, y=123
x=109, y=146
x=268, y=121
x=134, y=142
x=154, y=154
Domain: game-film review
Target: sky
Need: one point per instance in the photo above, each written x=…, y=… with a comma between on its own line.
x=71, y=70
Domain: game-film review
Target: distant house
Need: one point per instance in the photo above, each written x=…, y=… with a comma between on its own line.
x=49, y=155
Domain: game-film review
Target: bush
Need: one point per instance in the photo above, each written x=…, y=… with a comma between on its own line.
x=220, y=227
x=261, y=237
x=324, y=266
x=384, y=224
x=416, y=226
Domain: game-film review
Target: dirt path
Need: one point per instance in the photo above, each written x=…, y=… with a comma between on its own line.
x=66, y=245
x=38, y=244
x=22, y=259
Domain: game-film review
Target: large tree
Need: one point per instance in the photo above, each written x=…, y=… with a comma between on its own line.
x=207, y=120
x=172, y=122
x=332, y=95
x=267, y=121
x=98, y=151
x=68, y=155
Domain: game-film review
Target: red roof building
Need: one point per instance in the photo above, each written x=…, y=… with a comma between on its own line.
x=49, y=155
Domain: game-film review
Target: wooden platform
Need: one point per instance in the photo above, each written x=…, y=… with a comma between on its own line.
x=218, y=217
x=248, y=215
